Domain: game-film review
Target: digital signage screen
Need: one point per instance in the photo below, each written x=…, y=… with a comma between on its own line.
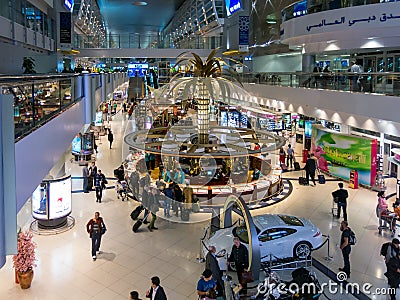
x=232, y=6
x=60, y=198
x=87, y=145
x=39, y=202
x=224, y=119
x=76, y=145
x=308, y=129
x=99, y=119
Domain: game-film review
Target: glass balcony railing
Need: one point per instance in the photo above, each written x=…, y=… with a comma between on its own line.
x=134, y=40
x=306, y=7
x=38, y=99
x=386, y=83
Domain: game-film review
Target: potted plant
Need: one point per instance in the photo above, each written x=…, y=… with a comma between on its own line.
x=24, y=260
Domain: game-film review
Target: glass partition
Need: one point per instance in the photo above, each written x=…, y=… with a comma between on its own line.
x=37, y=99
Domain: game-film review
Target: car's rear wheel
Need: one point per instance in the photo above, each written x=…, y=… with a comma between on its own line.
x=302, y=250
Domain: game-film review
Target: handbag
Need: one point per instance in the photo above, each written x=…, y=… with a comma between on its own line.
x=103, y=230
x=247, y=277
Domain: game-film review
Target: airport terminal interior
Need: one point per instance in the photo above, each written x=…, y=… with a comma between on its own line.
x=213, y=122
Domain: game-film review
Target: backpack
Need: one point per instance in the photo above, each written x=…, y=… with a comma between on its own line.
x=384, y=248
x=352, y=238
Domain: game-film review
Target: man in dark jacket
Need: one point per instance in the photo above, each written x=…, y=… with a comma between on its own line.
x=212, y=264
x=99, y=183
x=310, y=168
x=240, y=256
x=340, y=197
x=110, y=137
x=157, y=289
x=393, y=274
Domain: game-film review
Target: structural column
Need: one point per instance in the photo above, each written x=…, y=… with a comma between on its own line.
x=8, y=199
x=89, y=98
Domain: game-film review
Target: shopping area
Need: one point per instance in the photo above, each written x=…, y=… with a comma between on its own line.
x=220, y=150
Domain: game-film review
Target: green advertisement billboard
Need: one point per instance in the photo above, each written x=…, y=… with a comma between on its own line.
x=337, y=154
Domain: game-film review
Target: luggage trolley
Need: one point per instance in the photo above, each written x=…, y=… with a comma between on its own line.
x=122, y=189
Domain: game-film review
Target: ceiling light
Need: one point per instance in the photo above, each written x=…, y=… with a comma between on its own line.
x=139, y=3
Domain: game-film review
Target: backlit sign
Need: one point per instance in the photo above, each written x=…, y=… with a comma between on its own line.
x=232, y=6
x=69, y=4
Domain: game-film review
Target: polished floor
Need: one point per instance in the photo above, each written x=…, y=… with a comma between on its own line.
x=65, y=269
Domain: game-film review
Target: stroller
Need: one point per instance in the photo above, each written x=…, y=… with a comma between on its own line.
x=122, y=189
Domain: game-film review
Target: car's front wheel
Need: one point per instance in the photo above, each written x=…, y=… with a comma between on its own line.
x=302, y=250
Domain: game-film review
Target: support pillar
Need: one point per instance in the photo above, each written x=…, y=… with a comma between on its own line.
x=89, y=98
x=8, y=199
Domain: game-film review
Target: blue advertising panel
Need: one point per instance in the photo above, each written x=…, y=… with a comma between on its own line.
x=308, y=129
x=232, y=6
x=69, y=4
x=244, y=22
x=137, y=69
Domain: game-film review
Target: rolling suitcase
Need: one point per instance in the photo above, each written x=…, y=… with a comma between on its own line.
x=185, y=215
x=296, y=166
x=303, y=180
x=321, y=178
x=136, y=212
x=196, y=207
x=137, y=225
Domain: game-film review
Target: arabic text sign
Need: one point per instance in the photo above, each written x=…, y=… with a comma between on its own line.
x=361, y=17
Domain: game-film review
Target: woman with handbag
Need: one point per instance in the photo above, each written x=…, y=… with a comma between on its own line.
x=96, y=228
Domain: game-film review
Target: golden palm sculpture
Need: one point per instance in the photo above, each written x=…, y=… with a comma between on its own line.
x=208, y=80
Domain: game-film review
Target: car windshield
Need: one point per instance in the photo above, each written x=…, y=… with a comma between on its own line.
x=241, y=233
x=290, y=220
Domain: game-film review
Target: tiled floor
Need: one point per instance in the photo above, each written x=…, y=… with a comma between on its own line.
x=65, y=269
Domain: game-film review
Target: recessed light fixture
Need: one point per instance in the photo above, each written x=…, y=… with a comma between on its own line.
x=139, y=3
x=371, y=38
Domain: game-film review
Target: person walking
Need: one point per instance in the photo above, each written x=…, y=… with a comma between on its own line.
x=134, y=182
x=92, y=174
x=110, y=137
x=282, y=155
x=310, y=168
x=169, y=196
x=134, y=295
x=290, y=156
x=206, y=286
x=178, y=196
x=156, y=291
x=393, y=275
x=355, y=68
x=212, y=264
x=345, y=247
x=340, y=197
x=154, y=206
x=99, y=183
x=85, y=175
x=240, y=256
x=96, y=228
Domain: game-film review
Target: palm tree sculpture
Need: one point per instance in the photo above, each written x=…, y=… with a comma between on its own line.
x=207, y=81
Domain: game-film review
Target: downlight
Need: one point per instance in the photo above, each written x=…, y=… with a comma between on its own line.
x=139, y=3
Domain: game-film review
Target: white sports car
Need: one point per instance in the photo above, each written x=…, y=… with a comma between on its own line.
x=281, y=236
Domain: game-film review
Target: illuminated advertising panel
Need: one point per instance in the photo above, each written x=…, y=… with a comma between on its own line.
x=232, y=6
x=39, y=202
x=60, y=198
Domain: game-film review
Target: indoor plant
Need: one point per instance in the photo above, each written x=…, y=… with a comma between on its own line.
x=24, y=260
x=29, y=65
